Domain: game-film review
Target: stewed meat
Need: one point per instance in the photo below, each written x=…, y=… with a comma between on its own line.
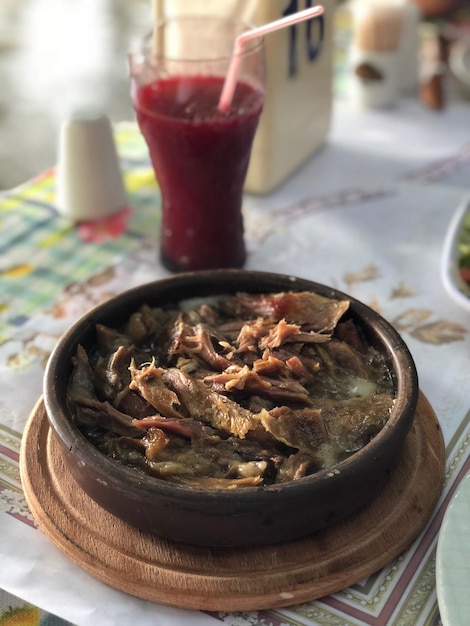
x=238, y=391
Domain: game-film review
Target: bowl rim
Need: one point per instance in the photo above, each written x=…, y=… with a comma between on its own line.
x=404, y=408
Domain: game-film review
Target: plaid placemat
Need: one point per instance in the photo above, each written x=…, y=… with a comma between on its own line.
x=52, y=255
x=47, y=252
x=17, y=612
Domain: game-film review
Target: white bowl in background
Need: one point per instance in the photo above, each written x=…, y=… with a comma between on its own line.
x=457, y=288
x=459, y=62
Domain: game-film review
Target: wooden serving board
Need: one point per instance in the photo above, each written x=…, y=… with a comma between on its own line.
x=233, y=579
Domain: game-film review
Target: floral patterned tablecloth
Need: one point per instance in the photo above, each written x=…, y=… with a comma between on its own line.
x=367, y=214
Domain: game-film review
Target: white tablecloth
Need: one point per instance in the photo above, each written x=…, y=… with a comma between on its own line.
x=367, y=214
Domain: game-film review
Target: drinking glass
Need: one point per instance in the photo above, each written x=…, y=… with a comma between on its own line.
x=199, y=154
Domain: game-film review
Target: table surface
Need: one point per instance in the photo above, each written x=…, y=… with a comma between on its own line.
x=367, y=214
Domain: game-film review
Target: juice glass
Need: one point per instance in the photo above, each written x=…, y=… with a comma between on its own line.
x=200, y=155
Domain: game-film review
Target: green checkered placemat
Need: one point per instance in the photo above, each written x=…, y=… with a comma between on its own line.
x=41, y=252
x=14, y=611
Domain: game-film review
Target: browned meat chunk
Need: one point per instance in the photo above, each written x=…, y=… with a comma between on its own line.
x=287, y=333
x=207, y=465
x=297, y=466
x=112, y=375
x=250, y=333
x=352, y=423
x=145, y=323
x=104, y=415
x=196, y=341
x=281, y=390
x=193, y=398
x=317, y=312
x=109, y=339
x=149, y=382
x=303, y=430
x=81, y=383
x=155, y=442
x=332, y=427
x=344, y=357
x=183, y=427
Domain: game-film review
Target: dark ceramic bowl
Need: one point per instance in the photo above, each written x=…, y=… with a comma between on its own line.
x=251, y=515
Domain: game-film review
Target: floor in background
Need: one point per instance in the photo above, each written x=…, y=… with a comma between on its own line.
x=56, y=57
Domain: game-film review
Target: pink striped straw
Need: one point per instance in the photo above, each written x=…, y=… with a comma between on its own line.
x=232, y=74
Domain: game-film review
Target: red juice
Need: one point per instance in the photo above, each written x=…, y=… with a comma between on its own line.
x=200, y=157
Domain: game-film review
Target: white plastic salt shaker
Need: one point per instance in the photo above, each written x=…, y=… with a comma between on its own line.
x=89, y=183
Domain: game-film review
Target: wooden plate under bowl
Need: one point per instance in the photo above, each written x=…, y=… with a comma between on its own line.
x=233, y=579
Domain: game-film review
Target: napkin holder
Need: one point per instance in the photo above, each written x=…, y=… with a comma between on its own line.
x=297, y=112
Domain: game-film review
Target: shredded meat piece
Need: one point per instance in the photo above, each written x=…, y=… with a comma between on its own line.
x=305, y=431
x=106, y=415
x=250, y=333
x=297, y=466
x=347, y=331
x=155, y=441
x=236, y=377
x=219, y=460
x=284, y=333
x=81, y=383
x=196, y=341
x=320, y=313
x=346, y=358
x=109, y=339
x=249, y=380
x=112, y=379
x=270, y=365
x=112, y=375
x=279, y=334
x=149, y=382
x=352, y=423
x=302, y=429
x=184, y=427
x=221, y=483
x=194, y=397
x=144, y=323
x=254, y=390
x=298, y=368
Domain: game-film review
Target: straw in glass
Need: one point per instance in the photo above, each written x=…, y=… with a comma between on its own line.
x=232, y=75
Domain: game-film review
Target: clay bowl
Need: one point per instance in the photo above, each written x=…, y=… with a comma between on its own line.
x=252, y=515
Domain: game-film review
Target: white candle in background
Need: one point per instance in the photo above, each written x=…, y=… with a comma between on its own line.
x=374, y=59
